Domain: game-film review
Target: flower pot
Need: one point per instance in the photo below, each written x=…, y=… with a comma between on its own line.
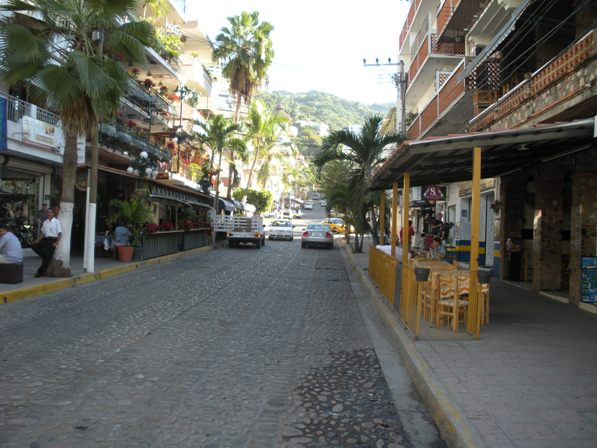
x=484, y=276
x=125, y=253
x=422, y=274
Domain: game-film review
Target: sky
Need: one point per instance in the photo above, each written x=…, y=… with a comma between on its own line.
x=321, y=44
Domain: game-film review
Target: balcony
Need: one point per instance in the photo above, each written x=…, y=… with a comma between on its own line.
x=454, y=16
x=34, y=127
x=408, y=22
x=560, y=85
x=449, y=110
x=116, y=136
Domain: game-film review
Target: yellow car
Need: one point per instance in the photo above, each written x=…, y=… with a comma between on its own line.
x=336, y=224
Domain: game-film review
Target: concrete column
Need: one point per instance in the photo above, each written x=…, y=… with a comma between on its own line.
x=547, y=235
x=583, y=227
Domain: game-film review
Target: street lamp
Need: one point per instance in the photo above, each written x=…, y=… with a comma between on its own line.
x=181, y=91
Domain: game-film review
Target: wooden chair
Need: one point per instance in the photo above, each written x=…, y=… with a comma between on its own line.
x=450, y=307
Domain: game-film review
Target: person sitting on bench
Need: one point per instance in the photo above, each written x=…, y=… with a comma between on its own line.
x=10, y=246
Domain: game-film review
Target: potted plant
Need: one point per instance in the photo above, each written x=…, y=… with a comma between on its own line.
x=133, y=214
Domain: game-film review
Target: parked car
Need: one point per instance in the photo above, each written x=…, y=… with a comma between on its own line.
x=316, y=196
x=308, y=205
x=280, y=230
x=323, y=203
x=269, y=215
x=317, y=235
x=336, y=224
x=286, y=213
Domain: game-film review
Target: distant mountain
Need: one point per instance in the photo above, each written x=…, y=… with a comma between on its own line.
x=322, y=107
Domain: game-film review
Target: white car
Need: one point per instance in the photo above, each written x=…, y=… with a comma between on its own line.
x=280, y=229
x=323, y=203
x=308, y=205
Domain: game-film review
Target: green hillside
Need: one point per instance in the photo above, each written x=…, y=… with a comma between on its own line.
x=322, y=107
x=307, y=110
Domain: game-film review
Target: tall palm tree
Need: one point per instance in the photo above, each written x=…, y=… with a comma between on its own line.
x=263, y=130
x=245, y=51
x=67, y=52
x=362, y=152
x=219, y=133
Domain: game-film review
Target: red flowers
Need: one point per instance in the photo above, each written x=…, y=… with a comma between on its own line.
x=152, y=228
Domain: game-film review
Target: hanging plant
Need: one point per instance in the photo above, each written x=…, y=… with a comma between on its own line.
x=135, y=72
x=148, y=83
x=163, y=89
x=130, y=124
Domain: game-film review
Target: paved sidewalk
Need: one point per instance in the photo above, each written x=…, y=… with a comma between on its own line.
x=105, y=267
x=528, y=382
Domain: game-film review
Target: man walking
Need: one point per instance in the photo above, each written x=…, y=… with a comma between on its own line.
x=49, y=237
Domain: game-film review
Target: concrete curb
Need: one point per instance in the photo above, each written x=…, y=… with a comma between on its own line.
x=453, y=425
x=82, y=279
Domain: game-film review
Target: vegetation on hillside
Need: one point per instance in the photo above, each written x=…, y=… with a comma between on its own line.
x=322, y=107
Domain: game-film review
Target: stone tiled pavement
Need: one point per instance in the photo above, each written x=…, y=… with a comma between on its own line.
x=244, y=347
x=530, y=380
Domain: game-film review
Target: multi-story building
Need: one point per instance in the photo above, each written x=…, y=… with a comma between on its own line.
x=153, y=119
x=476, y=67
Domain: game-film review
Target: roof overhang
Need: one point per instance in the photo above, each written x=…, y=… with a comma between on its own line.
x=449, y=159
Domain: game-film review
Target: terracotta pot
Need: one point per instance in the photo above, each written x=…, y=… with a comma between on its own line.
x=125, y=253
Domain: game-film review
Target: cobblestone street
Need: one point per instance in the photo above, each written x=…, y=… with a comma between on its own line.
x=230, y=348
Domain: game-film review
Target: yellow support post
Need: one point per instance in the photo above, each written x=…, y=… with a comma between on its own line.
x=405, y=289
x=382, y=217
x=405, y=203
x=472, y=321
x=394, y=218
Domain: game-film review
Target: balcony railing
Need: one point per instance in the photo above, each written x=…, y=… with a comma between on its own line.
x=116, y=136
x=33, y=125
x=449, y=91
x=145, y=99
x=556, y=71
x=408, y=22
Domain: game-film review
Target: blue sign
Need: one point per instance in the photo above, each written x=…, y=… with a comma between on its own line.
x=588, y=269
x=3, y=145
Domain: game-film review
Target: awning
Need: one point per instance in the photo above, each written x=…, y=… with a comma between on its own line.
x=495, y=42
x=449, y=159
x=225, y=205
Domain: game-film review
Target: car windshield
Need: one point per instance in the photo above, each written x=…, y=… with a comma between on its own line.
x=318, y=227
x=281, y=224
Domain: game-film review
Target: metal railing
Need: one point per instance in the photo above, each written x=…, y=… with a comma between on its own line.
x=16, y=109
x=117, y=136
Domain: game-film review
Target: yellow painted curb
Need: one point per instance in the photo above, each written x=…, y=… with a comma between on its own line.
x=83, y=279
x=453, y=424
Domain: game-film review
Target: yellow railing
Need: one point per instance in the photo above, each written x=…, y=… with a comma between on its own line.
x=382, y=270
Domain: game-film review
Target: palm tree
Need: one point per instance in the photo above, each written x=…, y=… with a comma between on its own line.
x=263, y=130
x=246, y=52
x=362, y=152
x=67, y=52
x=219, y=133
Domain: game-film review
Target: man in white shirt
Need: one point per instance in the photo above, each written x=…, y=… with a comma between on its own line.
x=49, y=237
x=10, y=247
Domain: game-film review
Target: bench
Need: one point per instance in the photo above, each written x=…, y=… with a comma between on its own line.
x=11, y=272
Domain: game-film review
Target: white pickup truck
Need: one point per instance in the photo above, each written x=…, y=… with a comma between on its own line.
x=240, y=229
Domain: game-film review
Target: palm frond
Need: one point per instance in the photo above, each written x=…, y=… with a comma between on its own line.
x=93, y=80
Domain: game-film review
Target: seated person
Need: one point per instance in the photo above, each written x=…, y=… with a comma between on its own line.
x=438, y=250
x=122, y=235
x=10, y=246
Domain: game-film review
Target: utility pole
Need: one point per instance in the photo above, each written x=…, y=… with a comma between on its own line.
x=399, y=79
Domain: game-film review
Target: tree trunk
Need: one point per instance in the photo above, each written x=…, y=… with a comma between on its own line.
x=374, y=225
x=60, y=266
x=217, y=198
x=252, y=168
x=230, y=174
